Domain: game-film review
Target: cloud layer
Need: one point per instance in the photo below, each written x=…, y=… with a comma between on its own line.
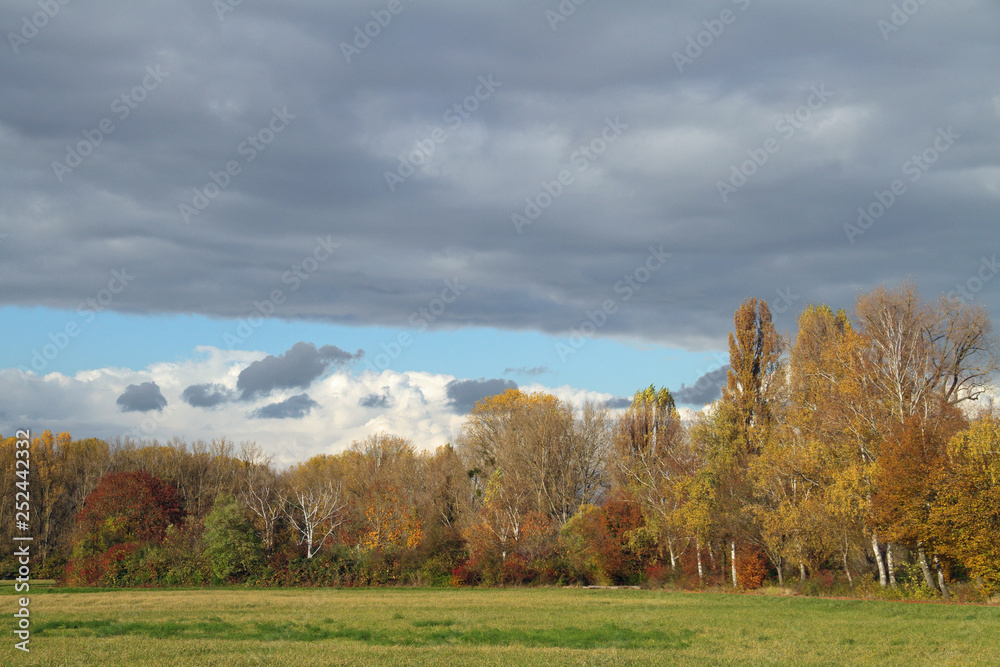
x=338, y=408
x=183, y=168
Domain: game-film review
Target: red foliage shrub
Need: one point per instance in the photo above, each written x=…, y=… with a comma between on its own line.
x=466, y=573
x=128, y=507
x=751, y=567
x=657, y=573
x=619, y=517
x=124, y=512
x=515, y=571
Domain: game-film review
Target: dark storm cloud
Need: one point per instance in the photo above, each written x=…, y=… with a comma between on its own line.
x=297, y=368
x=144, y=397
x=619, y=403
x=383, y=400
x=206, y=395
x=464, y=394
x=194, y=105
x=706, y=389
x=296, y=407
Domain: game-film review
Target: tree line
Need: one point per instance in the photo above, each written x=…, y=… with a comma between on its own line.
x=858, y=450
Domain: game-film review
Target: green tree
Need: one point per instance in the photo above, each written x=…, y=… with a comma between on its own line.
x=233, y=546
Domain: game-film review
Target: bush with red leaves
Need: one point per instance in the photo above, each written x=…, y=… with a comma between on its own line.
x=126, y=508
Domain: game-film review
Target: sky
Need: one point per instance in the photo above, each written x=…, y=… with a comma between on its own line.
x=300, y=223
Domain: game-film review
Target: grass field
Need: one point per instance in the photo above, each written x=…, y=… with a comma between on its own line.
x=507, y=627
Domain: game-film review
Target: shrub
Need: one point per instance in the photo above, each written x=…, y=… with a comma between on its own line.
x=751, y=567
x=232, y=545
x=514, y=571
x=125, y=513
x=466, y=573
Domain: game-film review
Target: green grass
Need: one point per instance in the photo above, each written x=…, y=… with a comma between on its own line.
x=488, y=626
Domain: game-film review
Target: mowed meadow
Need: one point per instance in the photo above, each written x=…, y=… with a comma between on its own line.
x=517, y=626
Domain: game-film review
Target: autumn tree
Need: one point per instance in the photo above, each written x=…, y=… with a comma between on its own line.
x=545, y=452
x=755, y=384
x=125, y=512
x=964, y=510
x=798, y=518
x=653, y=462
x=915, y=360
x=126, y=507
x=600, y=543
x=261, y=491
x=754, y=379
x=384, y=480
x=449, y=491
x=315, y=502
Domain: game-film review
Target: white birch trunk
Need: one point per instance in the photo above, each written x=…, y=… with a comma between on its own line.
x=922, y=559
x=878, y=559
x=732, y=546
x=847, y=567
x=802, y=562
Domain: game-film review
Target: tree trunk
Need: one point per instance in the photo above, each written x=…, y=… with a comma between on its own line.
x=847, y=568
x=940, y=573
x=802, y=563
x=781, y=574
x=922, y=559
x=701, y=572
x=673, y=557
x=733, y=551
x=890, y=564
x=878, y=559
x=711, y=556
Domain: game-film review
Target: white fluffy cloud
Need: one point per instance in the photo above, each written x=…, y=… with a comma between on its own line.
x=417, y=405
